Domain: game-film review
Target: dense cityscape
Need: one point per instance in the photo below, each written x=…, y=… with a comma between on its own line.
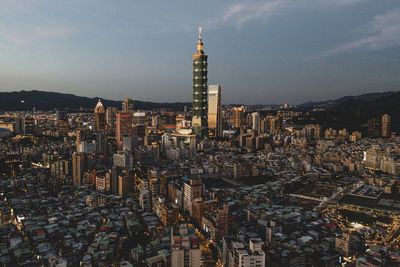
x=208, y=185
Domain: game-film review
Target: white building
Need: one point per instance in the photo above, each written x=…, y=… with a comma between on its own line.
x=185, y=248
x=242, y=256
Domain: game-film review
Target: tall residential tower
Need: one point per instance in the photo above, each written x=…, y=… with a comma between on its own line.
x=199, y=119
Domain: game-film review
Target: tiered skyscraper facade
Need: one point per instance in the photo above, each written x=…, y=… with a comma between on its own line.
x=199, y=116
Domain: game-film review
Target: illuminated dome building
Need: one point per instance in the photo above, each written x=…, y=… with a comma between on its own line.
x=99, y=117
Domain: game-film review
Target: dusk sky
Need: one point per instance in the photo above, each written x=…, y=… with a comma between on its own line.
x=272, y=51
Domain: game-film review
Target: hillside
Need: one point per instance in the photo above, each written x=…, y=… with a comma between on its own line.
x=354, y=113
x=27, y=100
x=334, y=102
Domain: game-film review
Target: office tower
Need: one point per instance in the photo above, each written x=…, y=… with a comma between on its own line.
x=123, y=127
x=99, y=117
x=115, y=172
x=193, y=189
x=237, y=117
x=185, y=248
x=123, y=159
x=101, y=143
x=110, y=117
x=272, y=124
x=78, y=167
x=125, y=184
x=255, y=121
x=374, y=128
x=199, y=115
x=127, y=105
x=215, y=110
x=385, y=125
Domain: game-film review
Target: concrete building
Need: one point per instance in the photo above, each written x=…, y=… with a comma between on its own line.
x=185, y=248
x=193, y=189
x=242, y=256
x=123, y=127
x=385, y=125
x=78, y=167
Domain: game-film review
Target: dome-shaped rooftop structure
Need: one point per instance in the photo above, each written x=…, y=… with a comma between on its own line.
x=99, y=108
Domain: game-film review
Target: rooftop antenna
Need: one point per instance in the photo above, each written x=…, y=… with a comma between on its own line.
x=200, y=33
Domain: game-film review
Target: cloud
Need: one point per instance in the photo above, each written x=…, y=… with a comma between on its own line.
x=383, y=31
x=239, y=14
x=29, y=35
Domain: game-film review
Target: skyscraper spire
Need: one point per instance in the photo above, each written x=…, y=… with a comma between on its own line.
x=199, y=49
x=200, y=84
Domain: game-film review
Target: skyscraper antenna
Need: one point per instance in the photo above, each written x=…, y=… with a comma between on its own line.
x=200, y=33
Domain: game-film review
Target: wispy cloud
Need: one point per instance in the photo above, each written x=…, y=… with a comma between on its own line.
x=383, y=31
x=239, y=14
x=29, y=35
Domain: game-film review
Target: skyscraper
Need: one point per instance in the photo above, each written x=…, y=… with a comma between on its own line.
x=237, y=117
x=127, y=105
x=199, y=119
x=385, y=125
x=215, y=110
x=99, y=117
x=255, y=118
x=78, y=167
x=193, y=189
x=123, y=127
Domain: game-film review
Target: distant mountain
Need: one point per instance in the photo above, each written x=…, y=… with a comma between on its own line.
x=335, y=102
x=41, y=100
x=353, y=113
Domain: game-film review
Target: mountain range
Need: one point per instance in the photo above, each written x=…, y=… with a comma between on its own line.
x=334, y=102
x=353, y=113
x=42, y=100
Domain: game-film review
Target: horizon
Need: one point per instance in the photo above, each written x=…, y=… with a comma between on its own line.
x=189, y=101
x=272, y=51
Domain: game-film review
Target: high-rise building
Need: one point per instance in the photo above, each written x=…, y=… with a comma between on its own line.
x=374, y=128
x=123, y=127
x=385, y=125
x=101, y=143
x=125, y=184
x=185, y=247
x=237, y=117
x=127, y=105
x=78, y=167
x=110, y=118
x=215, y=110
x=99, y=117
x=193, y=189
x=255, y=121
x=199, y=116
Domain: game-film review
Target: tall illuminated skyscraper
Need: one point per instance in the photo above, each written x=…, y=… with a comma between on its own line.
x=237, y=117
x=215, y=110
x=199, y=119
x=99, y=117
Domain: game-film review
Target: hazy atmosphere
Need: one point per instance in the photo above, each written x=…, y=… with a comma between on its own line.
x=275, y=51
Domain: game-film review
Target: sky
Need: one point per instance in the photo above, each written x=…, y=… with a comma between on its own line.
x=260, y=51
